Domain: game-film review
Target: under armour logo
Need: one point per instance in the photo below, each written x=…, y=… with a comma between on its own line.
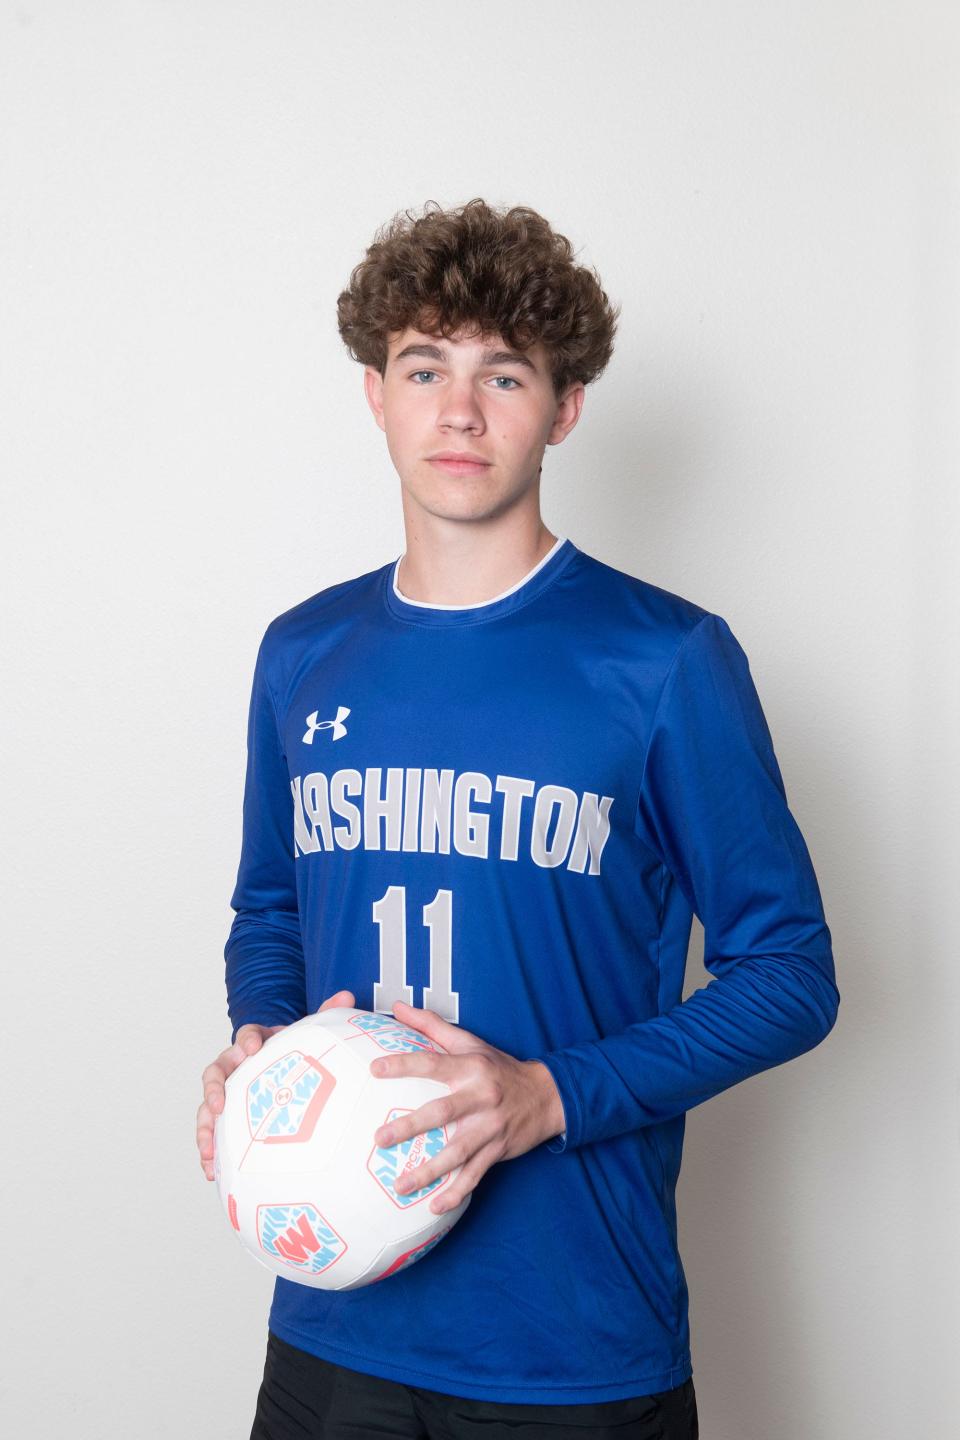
x=337, y=725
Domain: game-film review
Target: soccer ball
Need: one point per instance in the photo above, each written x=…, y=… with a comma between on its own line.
x=305, y=1187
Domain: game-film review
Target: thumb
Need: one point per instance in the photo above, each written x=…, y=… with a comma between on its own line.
x=344, y=998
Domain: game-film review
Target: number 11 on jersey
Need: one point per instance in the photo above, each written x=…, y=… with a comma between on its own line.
x=390, y=913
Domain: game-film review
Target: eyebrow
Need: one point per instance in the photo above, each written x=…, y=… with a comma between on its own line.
x=489, y=357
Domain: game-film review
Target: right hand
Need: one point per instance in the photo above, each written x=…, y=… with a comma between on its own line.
x=248, y=1042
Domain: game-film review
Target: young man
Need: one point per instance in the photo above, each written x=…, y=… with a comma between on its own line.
x=549, y=766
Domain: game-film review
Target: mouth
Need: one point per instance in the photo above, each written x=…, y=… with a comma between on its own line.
x=454, y=465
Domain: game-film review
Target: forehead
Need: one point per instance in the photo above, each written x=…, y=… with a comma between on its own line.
x=488, y=349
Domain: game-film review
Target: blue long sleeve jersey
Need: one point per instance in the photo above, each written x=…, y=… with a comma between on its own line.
x=508, y=813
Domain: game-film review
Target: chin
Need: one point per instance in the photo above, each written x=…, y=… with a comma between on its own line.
x=462, y=512
x=457, y=501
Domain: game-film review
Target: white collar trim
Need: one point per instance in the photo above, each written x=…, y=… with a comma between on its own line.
x=477, y=604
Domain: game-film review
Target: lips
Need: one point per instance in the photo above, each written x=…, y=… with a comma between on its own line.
x=460, y=455
x=459, y=463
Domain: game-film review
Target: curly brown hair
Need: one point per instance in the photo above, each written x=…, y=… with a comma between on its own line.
x=501, y=271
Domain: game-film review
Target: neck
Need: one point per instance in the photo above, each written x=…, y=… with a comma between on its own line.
x=454, y=563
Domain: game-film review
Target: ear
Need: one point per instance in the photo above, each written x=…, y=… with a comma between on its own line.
x=373, y=389
x=569, y=407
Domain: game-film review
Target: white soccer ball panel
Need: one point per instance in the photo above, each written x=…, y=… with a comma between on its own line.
x=397, y=1254
x=293, y=1103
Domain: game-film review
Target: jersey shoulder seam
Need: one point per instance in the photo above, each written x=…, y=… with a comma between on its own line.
x=665, y=684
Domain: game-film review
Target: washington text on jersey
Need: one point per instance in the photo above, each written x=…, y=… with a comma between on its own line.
x=430, y=810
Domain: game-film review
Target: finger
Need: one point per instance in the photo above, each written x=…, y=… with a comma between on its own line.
x=213, y=1080
x=433, y=1116
x=421, y=1019
x=205, y=1145
x=214, y=1073
x=214, y=1077
x=455, y=1154
x=428, y=1022
x=427, y=1063
x=226, y=1062
x=467, y=1181
x=249, y=1039
x=248, y=1042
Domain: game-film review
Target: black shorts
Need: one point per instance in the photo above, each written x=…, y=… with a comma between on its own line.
x=305, y=1398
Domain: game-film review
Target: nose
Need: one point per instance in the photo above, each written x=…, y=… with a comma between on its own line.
x=460, y=407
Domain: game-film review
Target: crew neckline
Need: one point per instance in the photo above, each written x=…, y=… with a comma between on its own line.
x=425, y=612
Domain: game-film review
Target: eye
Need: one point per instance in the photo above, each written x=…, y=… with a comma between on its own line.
x=509, y=379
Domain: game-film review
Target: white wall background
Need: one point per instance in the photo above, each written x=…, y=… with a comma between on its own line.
x=771, y=192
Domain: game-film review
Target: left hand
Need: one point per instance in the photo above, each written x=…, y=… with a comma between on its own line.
x=503, y=1107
